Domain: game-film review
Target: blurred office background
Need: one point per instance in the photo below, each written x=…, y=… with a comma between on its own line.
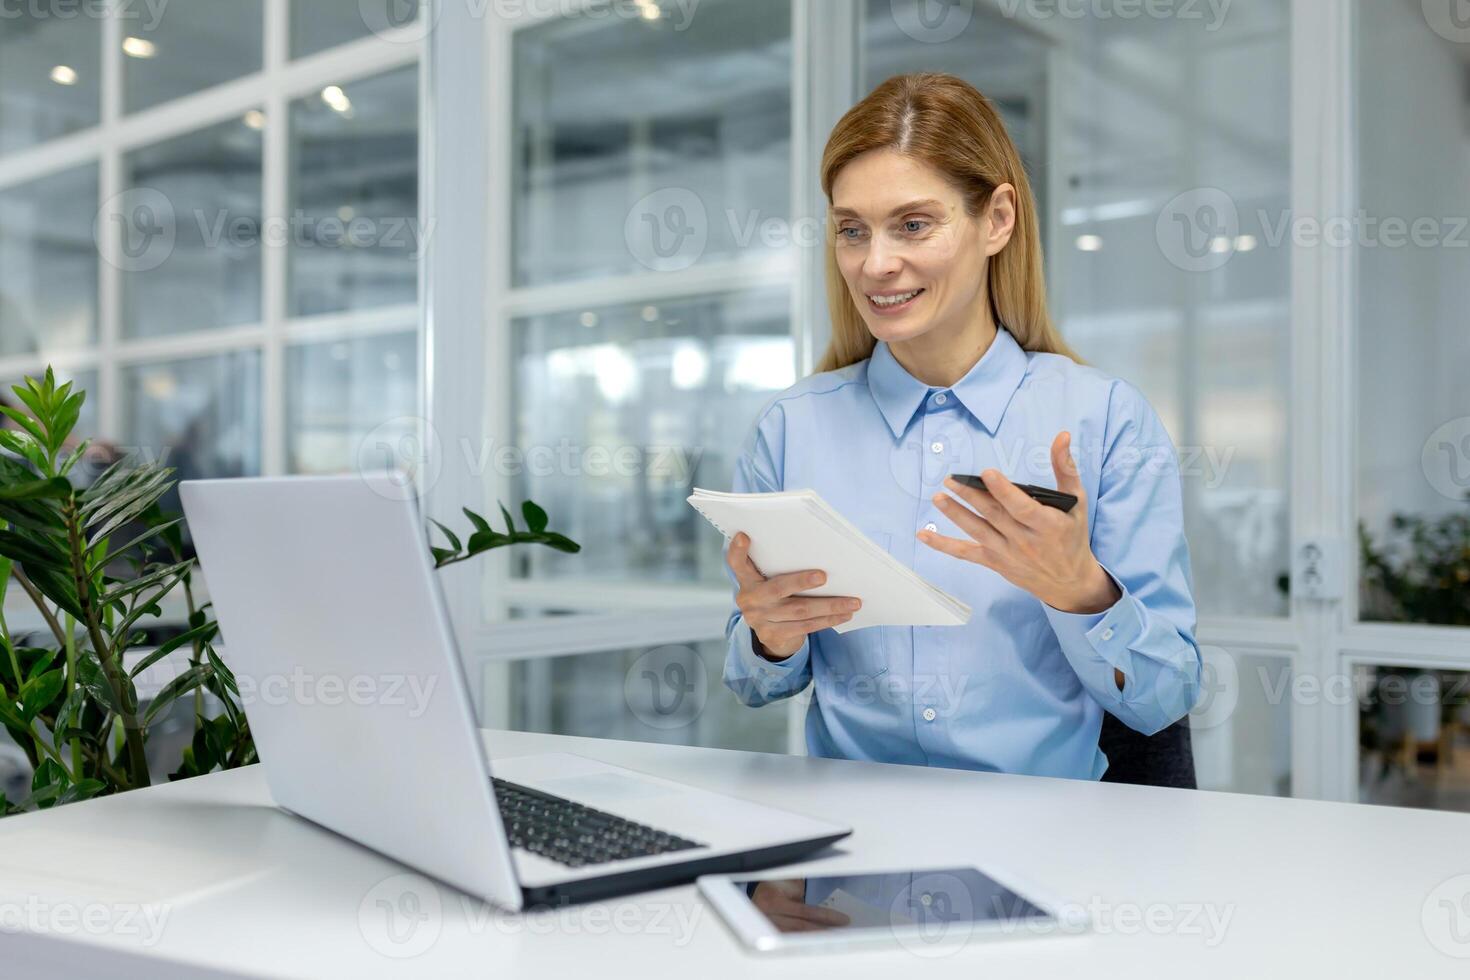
x=212, y=219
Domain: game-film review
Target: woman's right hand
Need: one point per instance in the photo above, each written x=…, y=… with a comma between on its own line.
x=779, y=618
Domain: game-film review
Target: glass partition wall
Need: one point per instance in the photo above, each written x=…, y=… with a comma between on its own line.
x=1231, y=222
x=661, y=257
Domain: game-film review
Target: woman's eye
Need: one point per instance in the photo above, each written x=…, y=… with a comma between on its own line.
x=913, y=226
x=850, y=233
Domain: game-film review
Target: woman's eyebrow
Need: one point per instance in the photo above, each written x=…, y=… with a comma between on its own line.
x=929, y=204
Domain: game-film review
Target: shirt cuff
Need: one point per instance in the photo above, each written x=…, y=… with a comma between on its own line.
x=1109, y=634
x=773, y=669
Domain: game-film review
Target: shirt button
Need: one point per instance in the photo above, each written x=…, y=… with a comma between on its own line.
x=931, y=526
x=941, y=398
x=936, y=447
x=929, y=714
x=1107, y=633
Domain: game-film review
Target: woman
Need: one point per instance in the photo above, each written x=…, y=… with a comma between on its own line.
x=943, y=360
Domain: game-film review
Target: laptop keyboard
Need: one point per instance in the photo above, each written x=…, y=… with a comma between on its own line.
x=573, y=834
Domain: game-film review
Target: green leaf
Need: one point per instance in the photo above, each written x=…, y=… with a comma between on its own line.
x=43, y=517
x=66, y=415
x=38, y=694
x=71, y=709
x=137, y=482
x=84, y=790
x=34, y=398
x=58, y=589
x=173, y=690
x=25, y=422
x=56, y=488
x=10, y=713
x=510, y=525
x=218, y=689
x=75, y=457
x=561, y=543
x=205, y=632
x=91, y=676
x=21, y=548
x=104, y=483
x=174, y=572
x=47, y=775
x=442, y=555
x=448, y=534
x=218, y=734
x=223, y=672
x=111, y=553
x=204, y=756
x=536, y=518
x=479, y=522
x=42, y=663
x=129, y=506
x=24, y=445
x=73, y=733
x=482, y=541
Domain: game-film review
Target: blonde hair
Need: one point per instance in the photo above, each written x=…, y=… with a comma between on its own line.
x=945, y=122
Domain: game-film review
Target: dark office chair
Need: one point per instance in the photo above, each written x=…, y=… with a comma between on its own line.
x=1162, y=759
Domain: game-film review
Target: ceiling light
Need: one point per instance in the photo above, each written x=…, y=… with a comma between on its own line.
x=337, y=99
x=255, y=119
x=137, y=47
x=1089, y=243
x=64, y=75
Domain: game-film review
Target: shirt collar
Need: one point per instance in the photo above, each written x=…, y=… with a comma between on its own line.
x=985, y=390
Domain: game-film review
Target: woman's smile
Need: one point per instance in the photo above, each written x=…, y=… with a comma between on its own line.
x=890, y=302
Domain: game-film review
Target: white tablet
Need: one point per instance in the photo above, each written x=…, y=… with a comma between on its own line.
x=923, y=910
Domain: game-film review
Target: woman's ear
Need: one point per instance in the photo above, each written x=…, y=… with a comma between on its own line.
x=1000, y=218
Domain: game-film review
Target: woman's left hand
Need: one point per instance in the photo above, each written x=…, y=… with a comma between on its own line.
x=1033, y=546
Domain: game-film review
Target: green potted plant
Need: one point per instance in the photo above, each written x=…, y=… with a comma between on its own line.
x=97, y=562
x=1418, y=573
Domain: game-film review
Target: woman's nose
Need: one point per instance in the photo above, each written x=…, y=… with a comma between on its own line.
x=881, y=261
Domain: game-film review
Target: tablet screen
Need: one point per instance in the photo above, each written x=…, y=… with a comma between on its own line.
x=926, y=900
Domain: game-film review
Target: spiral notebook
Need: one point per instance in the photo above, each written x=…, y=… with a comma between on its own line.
x=797, y=530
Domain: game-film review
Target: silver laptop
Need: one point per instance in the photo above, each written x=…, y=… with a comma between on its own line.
x=332, y=618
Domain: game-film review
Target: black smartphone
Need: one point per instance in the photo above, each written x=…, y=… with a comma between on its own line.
x=1045, y=495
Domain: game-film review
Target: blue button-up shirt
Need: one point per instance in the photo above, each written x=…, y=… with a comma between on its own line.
x=1021, y=688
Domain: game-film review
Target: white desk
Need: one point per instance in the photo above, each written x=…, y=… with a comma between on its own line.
x=1310, y=889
